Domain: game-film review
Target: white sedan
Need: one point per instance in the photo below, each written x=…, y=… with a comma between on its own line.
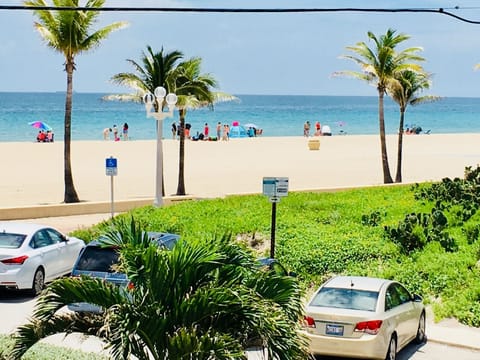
x=32, y=254
x=363, y=317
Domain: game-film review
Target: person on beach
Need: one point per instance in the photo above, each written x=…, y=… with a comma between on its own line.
x=106, y=133
x=224, y=133
x=219, y=130
x=115, y=133
x=206, y=130
x=318, y=129
x=41, y=137
x=306, y=129
x=125, y=131
x=49, y=136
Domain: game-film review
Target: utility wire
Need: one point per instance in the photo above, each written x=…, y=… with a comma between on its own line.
x=441, y=11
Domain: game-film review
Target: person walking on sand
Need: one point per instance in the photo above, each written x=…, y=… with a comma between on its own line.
x=306, y=129
x=206, y=131
x=125, y=131
x=318, y=129
x=219, y=130
x=115, y=133
x=106, y=133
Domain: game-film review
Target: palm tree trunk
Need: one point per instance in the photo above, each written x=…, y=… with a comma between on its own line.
x=70, y=192
x=398, y=176
x=181, y=156
x=387, y=178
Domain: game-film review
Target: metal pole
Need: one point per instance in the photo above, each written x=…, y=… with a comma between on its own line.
x=272, y=230
x=158, y=201
x=111, y=196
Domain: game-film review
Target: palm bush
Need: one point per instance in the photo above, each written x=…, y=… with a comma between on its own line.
x=203, y=299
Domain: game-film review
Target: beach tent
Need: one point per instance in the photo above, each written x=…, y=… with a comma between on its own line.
x=238, y=131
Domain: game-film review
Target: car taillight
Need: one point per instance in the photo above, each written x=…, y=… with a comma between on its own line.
x=19, y=260
x=308, y=321
x=370, y=327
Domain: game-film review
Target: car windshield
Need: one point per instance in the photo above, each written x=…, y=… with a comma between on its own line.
x=98, y=259
x=11, y=241
x=346, y=299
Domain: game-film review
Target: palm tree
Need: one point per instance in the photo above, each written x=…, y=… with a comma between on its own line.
x=201, y=300
x=67, y=32
x=155, y=70
x=379, y=66
x=194, y=90
x=404, y=91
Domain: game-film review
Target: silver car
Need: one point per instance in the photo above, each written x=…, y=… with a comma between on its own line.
x=33, y=254
x=363, y=317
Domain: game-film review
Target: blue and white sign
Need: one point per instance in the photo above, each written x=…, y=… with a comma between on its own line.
x=111, y=166
x=275, y=187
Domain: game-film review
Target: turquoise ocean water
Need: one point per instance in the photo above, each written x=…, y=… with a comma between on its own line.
x=276, y=115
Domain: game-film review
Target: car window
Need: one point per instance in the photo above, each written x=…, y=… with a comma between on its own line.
x=40, y=239
x=97, y=259
x=168, y=243
x=403, y=294
x=54, y=235
x=346, y=299
x=392, y=297
x=11, y=241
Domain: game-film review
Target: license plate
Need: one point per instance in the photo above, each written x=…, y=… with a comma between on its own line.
x=336, y=330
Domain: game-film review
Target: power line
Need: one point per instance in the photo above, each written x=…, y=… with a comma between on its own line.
x=441, y=11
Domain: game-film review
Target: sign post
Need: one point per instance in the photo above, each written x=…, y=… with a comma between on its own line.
x=111, y=170
x=274, y=188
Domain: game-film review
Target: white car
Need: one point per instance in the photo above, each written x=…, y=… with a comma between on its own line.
x=32, y=254
x=363, y=317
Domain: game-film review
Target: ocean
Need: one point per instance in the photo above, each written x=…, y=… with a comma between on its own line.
x=277, y=115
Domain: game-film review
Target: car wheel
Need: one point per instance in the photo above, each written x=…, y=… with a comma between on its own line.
x=421, y=335
x=38, y=282
x=392, y=349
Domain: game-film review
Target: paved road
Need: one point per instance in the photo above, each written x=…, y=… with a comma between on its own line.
x=429, y=351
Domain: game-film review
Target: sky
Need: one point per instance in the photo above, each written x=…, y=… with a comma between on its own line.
x=271, y=54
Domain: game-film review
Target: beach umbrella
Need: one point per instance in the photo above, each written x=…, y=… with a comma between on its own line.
x=40, y=125
x=251, y=125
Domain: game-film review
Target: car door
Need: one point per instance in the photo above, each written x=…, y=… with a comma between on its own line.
x=47, y=251
x=66, y=257
x=411, y=315
x=399, y=311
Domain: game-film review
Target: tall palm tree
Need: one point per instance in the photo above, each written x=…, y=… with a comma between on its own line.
x=68, y=32
x=154, y=70
x=201, y=300
x=405, y=91
x=194, y=90
x=379, y=66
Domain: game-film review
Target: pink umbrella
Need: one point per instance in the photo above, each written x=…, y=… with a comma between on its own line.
x=40, y=125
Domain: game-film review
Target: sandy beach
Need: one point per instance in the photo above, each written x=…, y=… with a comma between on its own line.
x=33, y=172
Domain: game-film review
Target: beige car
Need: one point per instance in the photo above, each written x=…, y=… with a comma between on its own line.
x=363, y=317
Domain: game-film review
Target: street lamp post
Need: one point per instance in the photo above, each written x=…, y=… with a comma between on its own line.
x=159, y=115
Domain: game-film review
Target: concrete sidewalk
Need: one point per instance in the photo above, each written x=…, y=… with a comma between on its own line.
x=452, y=333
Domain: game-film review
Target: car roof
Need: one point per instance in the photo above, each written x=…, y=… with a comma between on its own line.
x=153, y=235
x=357, y=283
x=20, y=227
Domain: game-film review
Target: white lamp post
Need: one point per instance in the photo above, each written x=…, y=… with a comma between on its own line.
x=159, y=115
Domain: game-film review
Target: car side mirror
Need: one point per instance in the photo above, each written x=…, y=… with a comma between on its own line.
x=417, y=298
